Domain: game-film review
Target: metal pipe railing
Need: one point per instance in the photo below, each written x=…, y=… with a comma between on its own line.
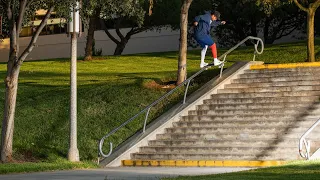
x=147, y=109
x=306, y=143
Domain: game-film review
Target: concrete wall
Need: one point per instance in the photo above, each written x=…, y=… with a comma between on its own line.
x=58, y=46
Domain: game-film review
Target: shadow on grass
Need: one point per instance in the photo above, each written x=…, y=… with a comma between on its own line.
x=42, y=118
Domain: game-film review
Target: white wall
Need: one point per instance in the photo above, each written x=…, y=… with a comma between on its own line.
x=58, y=46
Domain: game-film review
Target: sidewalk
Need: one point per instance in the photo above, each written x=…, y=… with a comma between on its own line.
x=120, y=173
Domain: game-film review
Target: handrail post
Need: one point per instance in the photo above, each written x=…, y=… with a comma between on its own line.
x=222, y=65
x=221, y=69
x=255, y=50
x=100, y=148
x=145, y=120
x=186, y=91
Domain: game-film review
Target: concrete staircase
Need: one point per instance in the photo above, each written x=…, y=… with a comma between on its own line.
x=259, y=117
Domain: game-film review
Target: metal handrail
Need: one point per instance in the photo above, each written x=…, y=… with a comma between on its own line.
x=306, y=143
x=187, y=81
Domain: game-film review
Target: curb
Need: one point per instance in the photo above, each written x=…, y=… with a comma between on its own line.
x=287, y=65
x=200, y=163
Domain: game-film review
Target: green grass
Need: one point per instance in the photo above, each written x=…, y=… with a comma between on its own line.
x=280, y=53
x=301, y=170
x=110, y=91
x=44, y=166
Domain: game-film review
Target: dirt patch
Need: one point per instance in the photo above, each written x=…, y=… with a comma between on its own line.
x=25, y=156
x=161, y=85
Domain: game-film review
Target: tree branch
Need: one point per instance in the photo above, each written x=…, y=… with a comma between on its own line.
x=9, y=11
x=300, y=6
x=283, y=33
x=29, y=3
x=130, y=33
x=104, y=27
x=35, y=36
x=135, y=31
x=118, y=29
x=22, y=10
x=139, y=30
x=316, y=4
x=3, y=3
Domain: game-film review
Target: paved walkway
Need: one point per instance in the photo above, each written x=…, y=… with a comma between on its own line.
x=120, y=173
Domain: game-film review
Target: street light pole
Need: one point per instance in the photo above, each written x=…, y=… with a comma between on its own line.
x=73, y=153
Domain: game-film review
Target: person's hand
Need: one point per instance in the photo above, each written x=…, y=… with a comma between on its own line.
x=223, y=22
x=195, y=23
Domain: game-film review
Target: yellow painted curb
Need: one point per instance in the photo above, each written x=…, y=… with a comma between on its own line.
x=288, y=65
x=201, y=163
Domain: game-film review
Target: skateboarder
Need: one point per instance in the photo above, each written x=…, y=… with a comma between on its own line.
x=203, y=24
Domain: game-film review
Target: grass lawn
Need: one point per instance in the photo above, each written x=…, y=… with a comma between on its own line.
x=44, y=166
x=301, y=170
x=110, y=91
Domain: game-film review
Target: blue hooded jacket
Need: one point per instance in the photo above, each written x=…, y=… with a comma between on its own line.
x=202, y=30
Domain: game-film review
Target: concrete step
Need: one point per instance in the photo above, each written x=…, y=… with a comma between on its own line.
x=276, y=79
x=228, y=142
x=242, y=123
x=240, y=129
x=269, y=89
x=273, y=84
x=292, y=99
x=258, y=117
x=272, y=71
x=220, y=150
x=215, y=156
x=239, y=135
x=280, y=74
x=270, y=117
x=294, y=111
x=255, y=106
x=266, y=94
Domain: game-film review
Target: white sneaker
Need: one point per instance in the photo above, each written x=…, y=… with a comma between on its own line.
x=203, y=64
x=217, y=62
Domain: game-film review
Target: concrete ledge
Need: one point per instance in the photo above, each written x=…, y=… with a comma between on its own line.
x=201, y=163
x=282, y=66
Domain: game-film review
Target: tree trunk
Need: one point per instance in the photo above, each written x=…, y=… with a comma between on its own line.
x=266, y=36
x=182, y=63
x=90, y=39
x=311, y=10
x=11, y=83
x=311, y=54
x=253, y=28
x=120, y=47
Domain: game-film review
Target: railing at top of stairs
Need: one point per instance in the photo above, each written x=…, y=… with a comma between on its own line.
x=187, y=81
x=307, y=144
